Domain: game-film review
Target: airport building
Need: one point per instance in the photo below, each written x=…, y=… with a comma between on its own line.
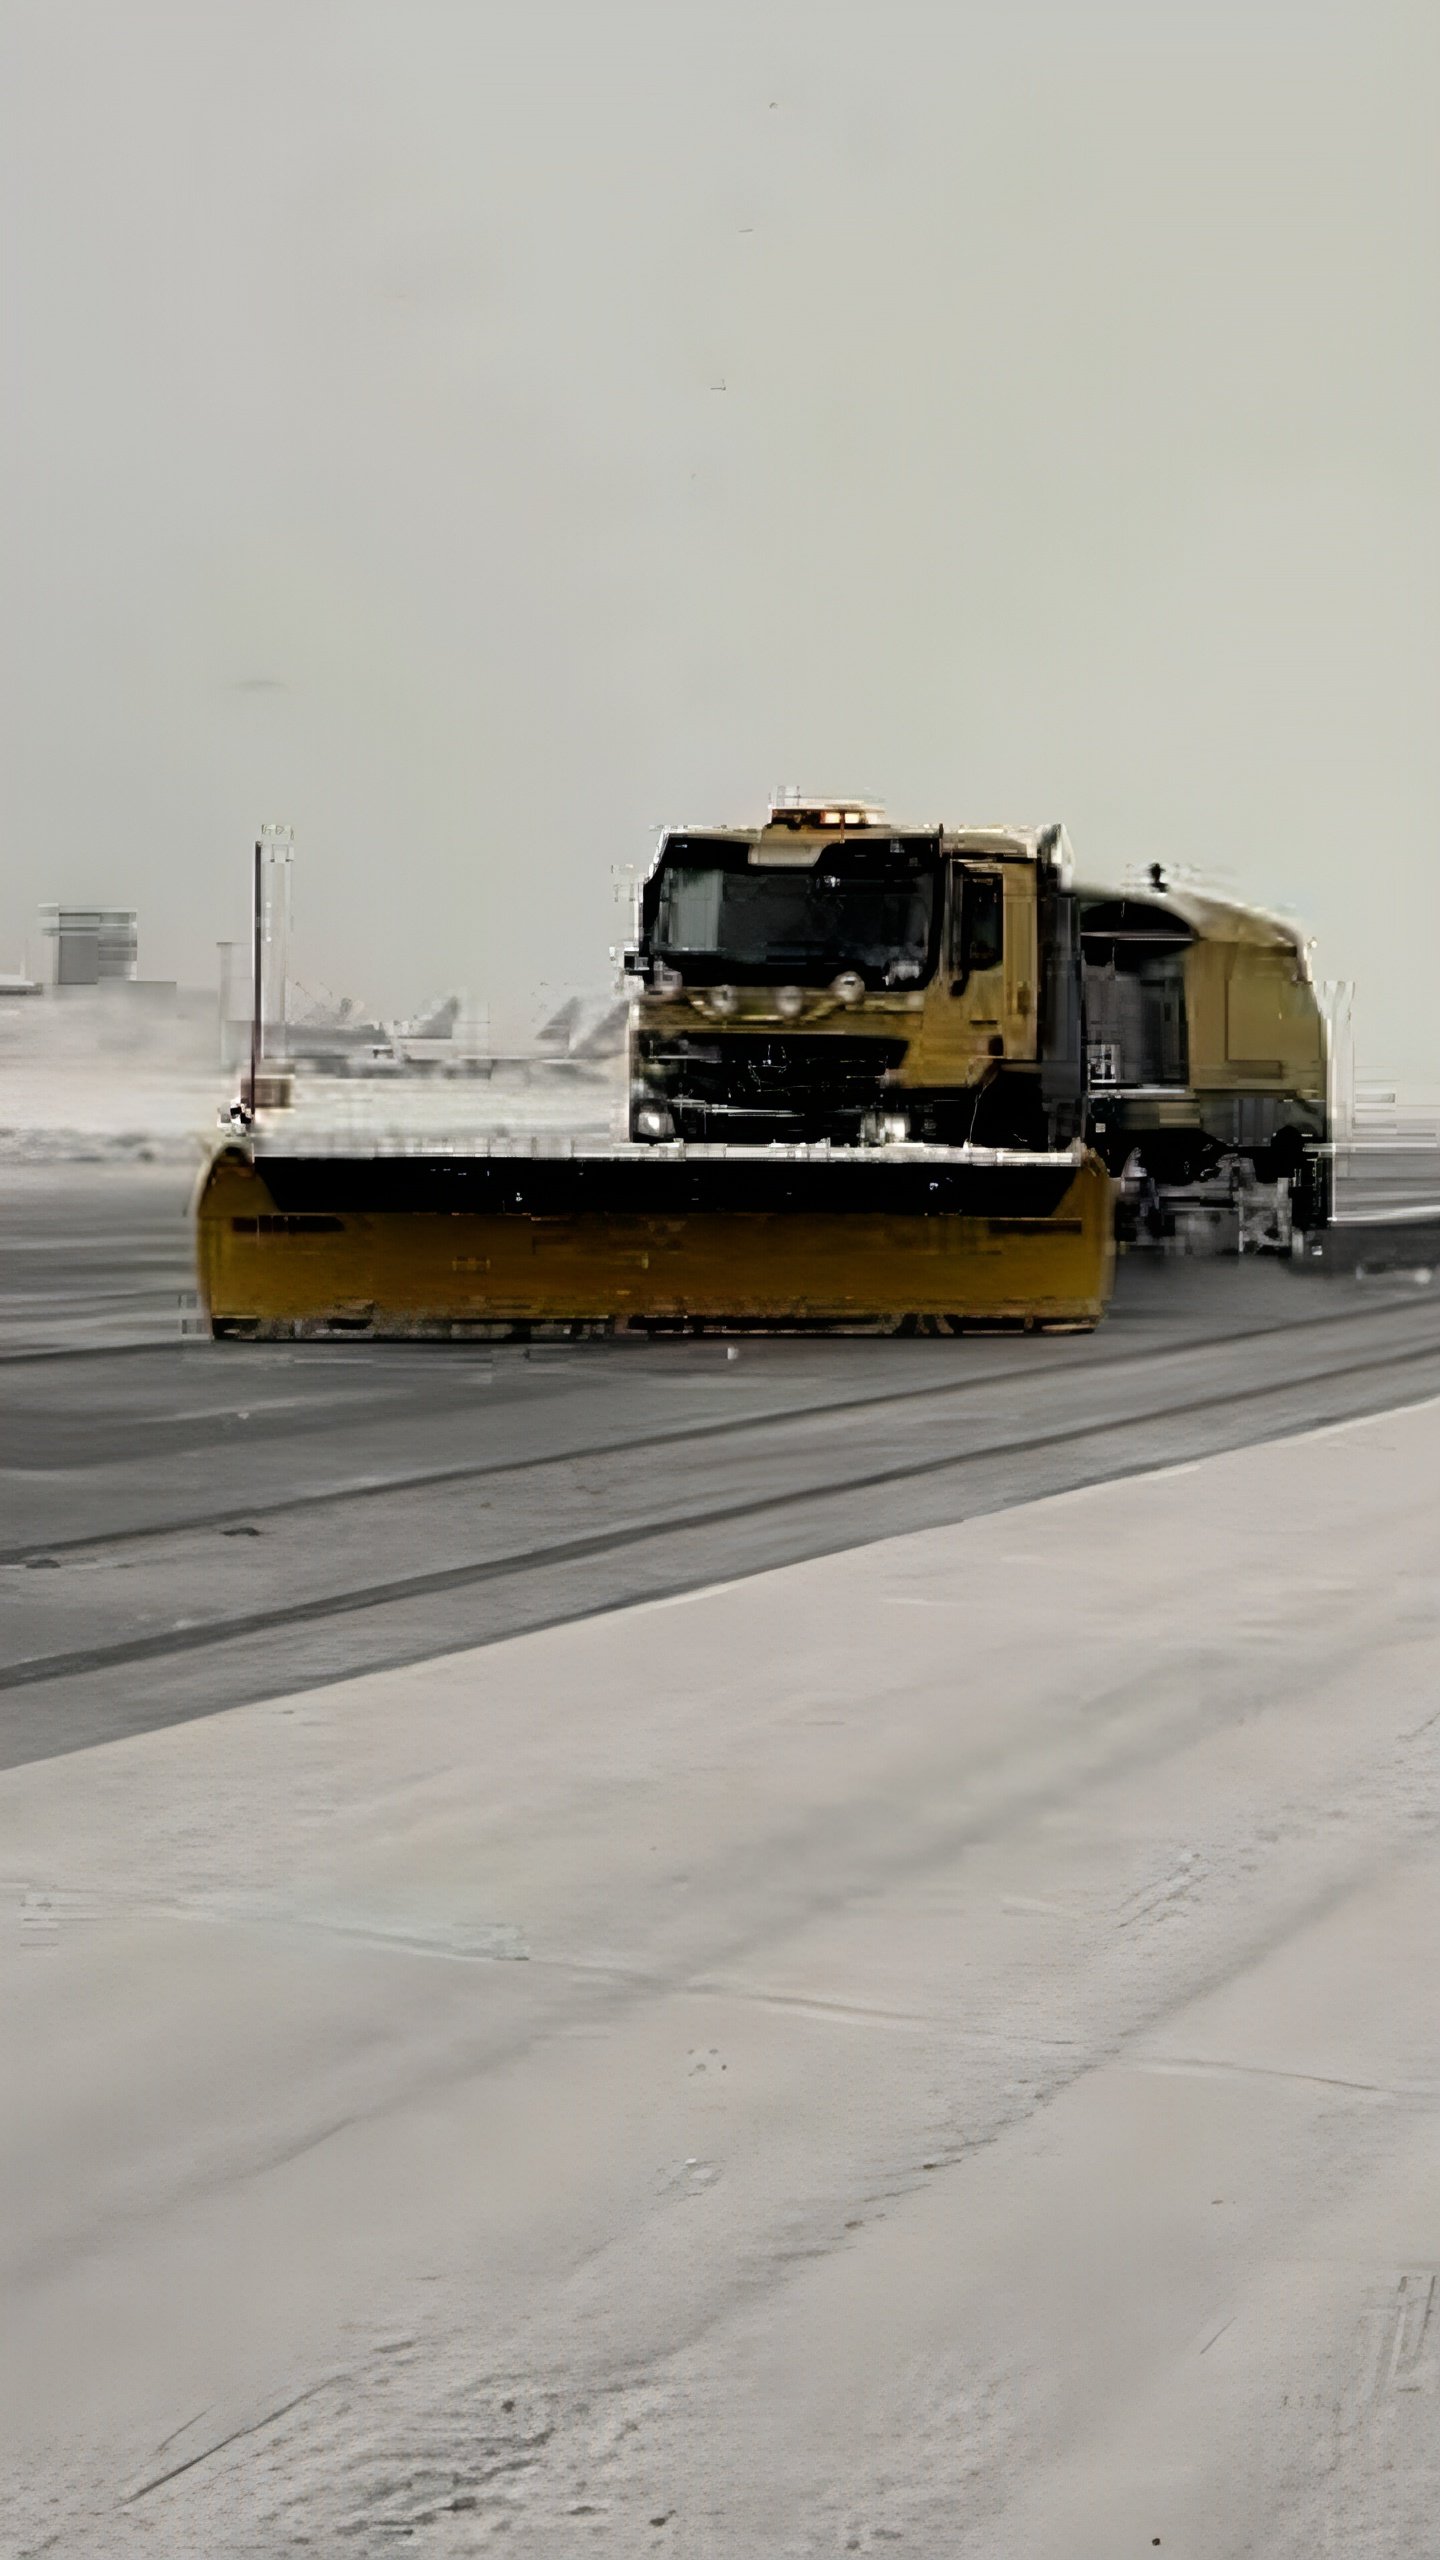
x=94, y=946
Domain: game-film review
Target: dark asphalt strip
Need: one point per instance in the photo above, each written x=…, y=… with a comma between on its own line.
x=776, y=1417
x=199, y=1637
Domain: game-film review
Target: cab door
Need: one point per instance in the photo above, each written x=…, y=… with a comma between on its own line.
x=993, y=956
x=975, y=962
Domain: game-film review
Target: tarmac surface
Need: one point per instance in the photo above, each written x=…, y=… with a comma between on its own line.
x=186, y=1526
x=626, y=1949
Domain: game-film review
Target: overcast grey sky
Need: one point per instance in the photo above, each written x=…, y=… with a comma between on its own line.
x=480, y=431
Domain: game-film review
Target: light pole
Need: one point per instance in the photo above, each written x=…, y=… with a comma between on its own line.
x=276, y=848
x=270, y=932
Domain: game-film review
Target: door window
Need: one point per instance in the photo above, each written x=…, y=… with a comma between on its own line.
x=979, y=929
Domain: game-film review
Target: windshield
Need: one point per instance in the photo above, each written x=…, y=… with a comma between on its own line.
x=715, y=921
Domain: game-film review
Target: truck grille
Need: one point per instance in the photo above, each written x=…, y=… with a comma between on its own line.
x=771, y=1068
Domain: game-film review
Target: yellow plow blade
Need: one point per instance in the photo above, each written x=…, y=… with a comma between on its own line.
x=771, y=1237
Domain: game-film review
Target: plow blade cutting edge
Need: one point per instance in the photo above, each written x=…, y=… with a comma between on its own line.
x=395, y=1246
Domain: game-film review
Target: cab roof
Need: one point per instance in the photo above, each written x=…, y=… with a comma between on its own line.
x=795, y=825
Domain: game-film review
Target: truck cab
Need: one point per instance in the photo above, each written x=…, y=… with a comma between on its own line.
x=829, y=975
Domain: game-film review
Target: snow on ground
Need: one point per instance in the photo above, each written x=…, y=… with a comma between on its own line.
x=116, y=1078
x=516, y=1104
x=932, y=2049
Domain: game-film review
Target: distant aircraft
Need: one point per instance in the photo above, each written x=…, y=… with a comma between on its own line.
x=440, y=1024
x=559, y=1031
x=605, y=1038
